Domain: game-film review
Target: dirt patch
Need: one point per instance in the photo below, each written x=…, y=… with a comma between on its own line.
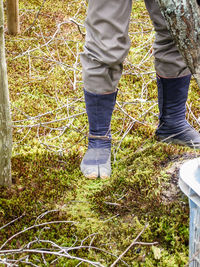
x=171, y=191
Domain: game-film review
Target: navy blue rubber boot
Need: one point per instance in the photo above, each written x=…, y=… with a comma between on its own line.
x=97, y=160
x=173, y=126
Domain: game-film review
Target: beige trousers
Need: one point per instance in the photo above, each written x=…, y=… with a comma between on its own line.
x=107, y=44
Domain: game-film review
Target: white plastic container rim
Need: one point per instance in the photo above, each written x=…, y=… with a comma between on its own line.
x=189, y=180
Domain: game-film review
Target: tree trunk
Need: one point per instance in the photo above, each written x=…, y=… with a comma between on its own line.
x=13, y=16
x=183, y=20
x=5, y=116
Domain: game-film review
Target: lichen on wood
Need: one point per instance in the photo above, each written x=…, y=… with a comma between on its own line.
x=183, y=20
x=5, y=116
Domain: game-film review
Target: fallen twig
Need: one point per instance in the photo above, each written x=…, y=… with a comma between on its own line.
x=36, y=17
x=2, y=227
x=31, y=227
x=132, y=244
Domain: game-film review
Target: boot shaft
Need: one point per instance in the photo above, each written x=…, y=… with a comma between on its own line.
x=99, y=110
x=172, y=97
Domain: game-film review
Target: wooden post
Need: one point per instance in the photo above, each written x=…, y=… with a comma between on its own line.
x=13, y=16
x=183, y=20
x=5, y=115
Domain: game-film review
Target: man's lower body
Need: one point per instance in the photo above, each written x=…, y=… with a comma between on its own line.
x=106, y=46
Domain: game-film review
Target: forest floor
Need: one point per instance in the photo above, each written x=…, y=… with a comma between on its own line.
x=52, y=215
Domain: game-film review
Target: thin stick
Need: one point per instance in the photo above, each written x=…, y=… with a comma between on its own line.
x=36, y=17
x=11, y=222
x=133, y=243
x=79, y=26
x=31, y=227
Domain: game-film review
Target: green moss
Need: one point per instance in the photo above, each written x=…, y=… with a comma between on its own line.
x=45, y=163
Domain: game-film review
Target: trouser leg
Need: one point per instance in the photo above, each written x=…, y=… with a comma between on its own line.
x=168, y=61
x=173, y=83
x=106, y=45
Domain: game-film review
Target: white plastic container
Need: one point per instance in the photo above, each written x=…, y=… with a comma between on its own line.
x=189, y=182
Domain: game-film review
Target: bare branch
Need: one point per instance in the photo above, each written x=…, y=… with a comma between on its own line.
x=132, y=244
x=36, y=17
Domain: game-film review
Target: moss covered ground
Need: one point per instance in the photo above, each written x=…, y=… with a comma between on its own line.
x=49, y=139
